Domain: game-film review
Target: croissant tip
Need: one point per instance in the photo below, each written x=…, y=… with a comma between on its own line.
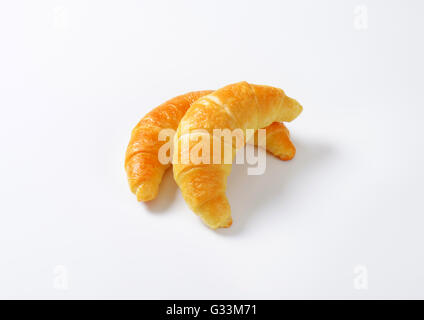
x=225, y=224
x=288, y=156
x=295, y=108
x=146, y=192
x=228, y=224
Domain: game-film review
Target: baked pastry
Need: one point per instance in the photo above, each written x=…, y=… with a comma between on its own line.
x=236, y=106
x=145, y=171
x=278, y=141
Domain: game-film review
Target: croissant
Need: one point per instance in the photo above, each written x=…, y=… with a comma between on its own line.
x=278, y=141
x=236, y=106
x=145, y=171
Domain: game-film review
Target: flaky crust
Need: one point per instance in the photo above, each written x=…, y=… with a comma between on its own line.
x=236, y=106
x=144, y=170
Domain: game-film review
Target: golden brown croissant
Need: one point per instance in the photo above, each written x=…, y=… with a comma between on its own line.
x=145, y=171
x=236, y=106
x=278, y=141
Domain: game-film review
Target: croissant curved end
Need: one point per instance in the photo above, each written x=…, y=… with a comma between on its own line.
x=147, y=191
x=216, y=213
x=288, y=155
x=293, y=109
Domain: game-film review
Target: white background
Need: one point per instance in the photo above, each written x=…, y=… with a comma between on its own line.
x=76, y=76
